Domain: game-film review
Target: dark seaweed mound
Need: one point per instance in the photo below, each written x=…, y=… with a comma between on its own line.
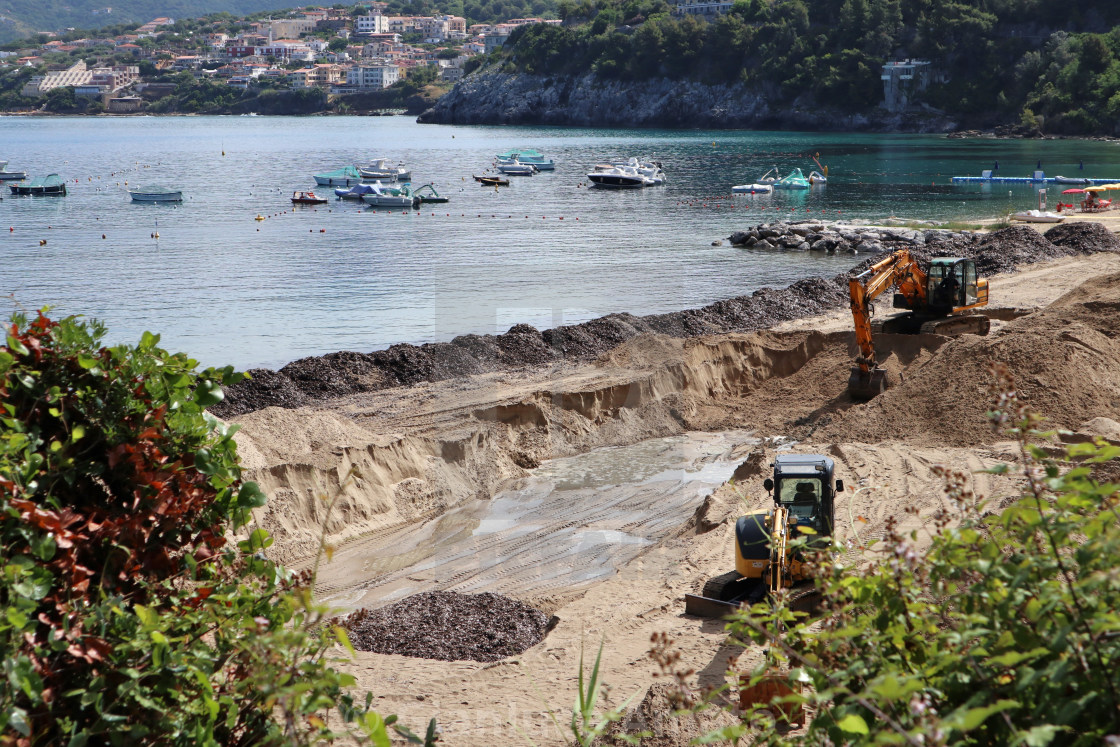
x=449, y=626
x=304, y=381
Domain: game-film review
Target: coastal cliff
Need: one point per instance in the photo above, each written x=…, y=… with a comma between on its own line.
x=493, y=97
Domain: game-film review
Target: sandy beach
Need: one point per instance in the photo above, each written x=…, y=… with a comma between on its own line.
x=399, y=458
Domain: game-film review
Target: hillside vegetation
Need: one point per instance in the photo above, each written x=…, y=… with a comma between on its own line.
x=21, y=18
x=1047, y=66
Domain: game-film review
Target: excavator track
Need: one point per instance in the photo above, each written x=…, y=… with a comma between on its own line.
x=951, y=326
x=723, y=594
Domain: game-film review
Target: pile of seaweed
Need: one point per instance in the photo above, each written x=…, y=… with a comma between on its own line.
x=449, y=626
x=308, y=380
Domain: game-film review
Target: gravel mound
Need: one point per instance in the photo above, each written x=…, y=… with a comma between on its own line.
x=449, y=626
x=308, y=380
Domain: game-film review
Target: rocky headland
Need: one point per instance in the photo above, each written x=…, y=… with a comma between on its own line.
x=502, y=98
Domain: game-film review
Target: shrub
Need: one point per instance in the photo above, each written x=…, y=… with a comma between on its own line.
x=128, y=617
x=1005, y=632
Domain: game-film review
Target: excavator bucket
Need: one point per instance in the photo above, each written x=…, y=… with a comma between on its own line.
x=863, y=385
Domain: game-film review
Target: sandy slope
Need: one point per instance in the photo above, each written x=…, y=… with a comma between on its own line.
x=420, y=450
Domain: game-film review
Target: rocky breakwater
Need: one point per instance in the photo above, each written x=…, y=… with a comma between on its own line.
x=838, y=238
x=490, y=96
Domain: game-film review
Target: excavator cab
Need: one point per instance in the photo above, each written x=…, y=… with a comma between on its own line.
x=803, y=486
x=951, y=284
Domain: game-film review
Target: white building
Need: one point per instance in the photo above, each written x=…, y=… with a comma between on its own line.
x=702, y=7
x=375, y=23
x=372, y=76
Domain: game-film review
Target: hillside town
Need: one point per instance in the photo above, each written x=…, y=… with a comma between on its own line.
x=338, y=51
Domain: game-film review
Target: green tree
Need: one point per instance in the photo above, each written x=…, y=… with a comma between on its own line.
x=128, y=618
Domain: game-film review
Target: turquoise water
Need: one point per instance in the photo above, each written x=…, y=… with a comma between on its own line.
x=227, y=288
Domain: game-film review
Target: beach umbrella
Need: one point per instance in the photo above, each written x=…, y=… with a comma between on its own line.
x=1110, y=186
x=1073, y=191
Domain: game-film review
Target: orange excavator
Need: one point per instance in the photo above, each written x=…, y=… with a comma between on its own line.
x=935, y=299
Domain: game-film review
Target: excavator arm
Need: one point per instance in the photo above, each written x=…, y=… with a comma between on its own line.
x=899, y=270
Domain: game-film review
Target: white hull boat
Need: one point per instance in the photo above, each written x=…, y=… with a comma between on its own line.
x=516, y=168
x=155, y=194
x=383, y=196
x=753, y=189
x=618, y=177
x=1037, y=216
x=380, y=169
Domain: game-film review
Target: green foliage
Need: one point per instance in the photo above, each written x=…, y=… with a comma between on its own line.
x=27, y=16
x=832, y=52
x=1005, y=632
x=128, y=618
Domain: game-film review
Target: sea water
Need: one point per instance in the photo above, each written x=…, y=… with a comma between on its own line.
x=236, y=275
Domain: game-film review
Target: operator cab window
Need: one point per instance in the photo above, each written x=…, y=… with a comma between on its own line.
x=800, y=495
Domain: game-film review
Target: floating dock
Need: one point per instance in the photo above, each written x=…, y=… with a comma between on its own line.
x=1037, y=178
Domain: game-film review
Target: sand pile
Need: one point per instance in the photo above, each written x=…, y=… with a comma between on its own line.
x=449, y=626
x=308, y=380
x=1065, y=359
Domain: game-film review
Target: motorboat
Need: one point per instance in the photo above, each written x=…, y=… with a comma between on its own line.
x=12, y=176
x=529, y=156
x=380, y=169
x=344, y=177
x=1037, y=216
x=618, y=177
x=516, y=168
x=51, y=184
x=383, y=196
x=753, y=189
x=816, y=177
x=307, y=198
x=154, y=193
x=1071, y=180
x=649, y=169
x=354, y=193
x=426, y=193
x=794, y=180
x=492, y=181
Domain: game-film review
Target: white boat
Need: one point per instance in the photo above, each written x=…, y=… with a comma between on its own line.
x=383, y=196
x=380, y=169
x=618, y=177
x=1037, y=216
x=529, y=156
x=516, y=168
x=752, y=189
x=649, y=169
x=155, y=194
x=1071, y=180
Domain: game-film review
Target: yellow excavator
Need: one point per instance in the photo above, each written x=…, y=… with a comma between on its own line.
x=803, y=491
x=935, y=299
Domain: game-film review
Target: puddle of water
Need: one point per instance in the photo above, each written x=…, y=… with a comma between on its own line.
x=573, y=521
